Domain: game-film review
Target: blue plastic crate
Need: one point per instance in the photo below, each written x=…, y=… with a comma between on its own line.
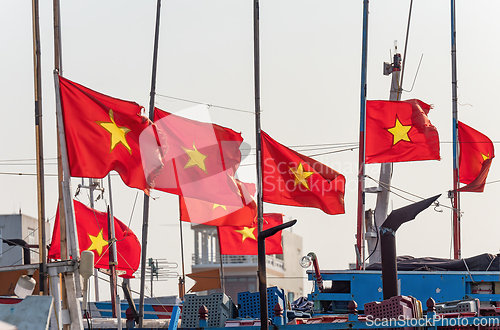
x=250, y=302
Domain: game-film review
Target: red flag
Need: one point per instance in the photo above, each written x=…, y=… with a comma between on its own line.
x=102, y=134
x=213, y=214
x=243, y=240
x=290, y=178
x=476, y=154
x=92, y=228
x=192, y=159
x=399, y=131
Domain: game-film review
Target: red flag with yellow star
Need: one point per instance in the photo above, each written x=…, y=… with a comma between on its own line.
x=214, y=214
x=476, y=155
x=192, y=159
x=102, y=134
x=399, y=131
x=290, y=178
x=243, y=240
x=92, y=228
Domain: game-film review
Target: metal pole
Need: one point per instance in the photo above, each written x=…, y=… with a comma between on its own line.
x=362, y=125
x=39, y=148
x=457, y=253
x=182, y=280
x=385, y=176
x=92, y=185
x=112, y=252
x=145, y=219
x=222, y=281
x=260, y=207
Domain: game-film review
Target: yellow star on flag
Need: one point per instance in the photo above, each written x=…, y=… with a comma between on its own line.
x=98, y=242
x=399, y=132
x=219, y=205
x=118, y=134
x=485, y=157
x=246, y=233
x=196, y=158
x=301, y=175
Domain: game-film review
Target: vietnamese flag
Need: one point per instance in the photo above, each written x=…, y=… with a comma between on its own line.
x=399, y=131
x=102, y=134
x=214, y=214
x=290, y=178
x=476, y=155
x=92, y=228
x=243, y=240
x=192, y=159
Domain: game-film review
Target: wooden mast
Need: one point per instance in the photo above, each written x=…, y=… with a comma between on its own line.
x=455, y=195
x=39, y=148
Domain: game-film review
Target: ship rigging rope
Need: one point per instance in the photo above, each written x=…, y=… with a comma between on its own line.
x=207, y=104
x=388, y=188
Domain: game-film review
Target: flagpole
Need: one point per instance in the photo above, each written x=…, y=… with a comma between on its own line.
x=60, y=176
x=39, y=148
x=145, y=219
x=182, y=280
x=72, y=279
x=222, y=284
x=457, y=253
x=362, y=127
x=260, y=207
x=112, y=253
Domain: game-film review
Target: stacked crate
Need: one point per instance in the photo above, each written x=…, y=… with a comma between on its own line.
x=395, y=308
x=250, y=302
x=220, y=309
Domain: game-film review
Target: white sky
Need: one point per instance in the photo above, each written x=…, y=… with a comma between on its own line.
x=310, y=80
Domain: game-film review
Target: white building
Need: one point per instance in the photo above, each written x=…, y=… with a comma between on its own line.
x=19, y=226
x=240, y=271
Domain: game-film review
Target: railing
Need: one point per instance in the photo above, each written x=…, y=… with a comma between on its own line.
x=212, y=259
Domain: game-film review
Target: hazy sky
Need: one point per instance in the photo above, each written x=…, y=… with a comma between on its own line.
x=310, y=79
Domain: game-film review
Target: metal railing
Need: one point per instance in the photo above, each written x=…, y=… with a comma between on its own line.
x=212, y=259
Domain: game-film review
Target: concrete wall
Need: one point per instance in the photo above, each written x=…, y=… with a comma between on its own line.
x=293, y=281
x=19, y=226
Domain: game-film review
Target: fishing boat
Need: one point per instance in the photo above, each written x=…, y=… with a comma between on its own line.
x=362, y=286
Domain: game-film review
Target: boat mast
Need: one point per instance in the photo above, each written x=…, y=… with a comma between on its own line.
x=362, y=126
x=385, y=176
x=261, y=266
x=145, y=219
x=455, y=195
x=39, y=148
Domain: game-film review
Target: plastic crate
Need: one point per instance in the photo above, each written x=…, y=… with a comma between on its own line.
x=458, y=306
x=250, y=302
x=220, y=309
x=394, y=308
x=391, y=308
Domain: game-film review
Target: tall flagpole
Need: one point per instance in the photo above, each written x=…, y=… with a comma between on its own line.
x=39, y=148
x=260, y=207
x=145, y=220
x=455, y=195
x=113, y=258
x=362, y=125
